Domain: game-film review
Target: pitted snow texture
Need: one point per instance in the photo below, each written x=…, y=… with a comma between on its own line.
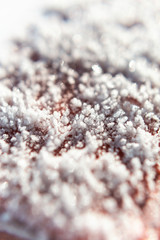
x=79, y=124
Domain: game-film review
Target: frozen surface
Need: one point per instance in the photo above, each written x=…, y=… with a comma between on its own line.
x=79, y=121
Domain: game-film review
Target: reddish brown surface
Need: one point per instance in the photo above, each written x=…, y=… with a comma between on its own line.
x=6, y=236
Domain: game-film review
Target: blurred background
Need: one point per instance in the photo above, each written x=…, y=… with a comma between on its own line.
x=15, y=16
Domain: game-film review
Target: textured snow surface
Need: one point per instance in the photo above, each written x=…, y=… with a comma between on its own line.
x=79, y=124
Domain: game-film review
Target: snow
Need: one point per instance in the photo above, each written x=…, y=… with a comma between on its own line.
x=79, y=119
